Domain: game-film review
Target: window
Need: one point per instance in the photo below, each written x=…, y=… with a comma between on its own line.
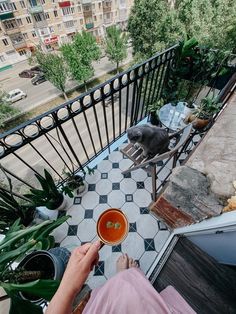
x=55, y=13
x=38, y=17
x=19, y=22
x=25, y=35
x=93, y=6
x=95, y=18
x=47, y=15
x=81, y=21
x=13, y=6
x=4, y=7
x=34, y=34
x=67, y=10
x=22, y=52
x=72, y=10
x=22, y=4
x=99, y=5
x=79, y=8
x=2, y=58
x=101, y=17
x=28, y=19
x=59, y=26
x=51, y=29
x=69, y=24
x=5, y=41
x=10, y=24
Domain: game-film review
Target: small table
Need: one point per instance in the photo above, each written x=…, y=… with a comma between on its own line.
x=172, y=116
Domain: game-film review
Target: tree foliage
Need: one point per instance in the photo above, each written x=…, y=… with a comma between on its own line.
x=156, y=24
x=54, y=68
x=79, y=56
x=116, y=45
x=6, y=110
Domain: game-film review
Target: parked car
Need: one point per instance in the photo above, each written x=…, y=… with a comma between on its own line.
x=15, y=95
x=36, y=69
x=38, y=79
x=27, y=74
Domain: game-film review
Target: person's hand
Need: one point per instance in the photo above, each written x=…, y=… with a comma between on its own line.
x=80, y=264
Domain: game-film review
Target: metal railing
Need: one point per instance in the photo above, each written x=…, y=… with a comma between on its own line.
x=73, y=134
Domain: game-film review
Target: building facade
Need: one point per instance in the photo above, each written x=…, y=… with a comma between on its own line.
x=26, y=24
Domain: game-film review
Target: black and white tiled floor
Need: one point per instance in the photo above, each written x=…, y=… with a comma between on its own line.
x=106, y=188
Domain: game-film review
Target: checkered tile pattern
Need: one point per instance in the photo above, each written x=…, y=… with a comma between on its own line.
x=106, y=188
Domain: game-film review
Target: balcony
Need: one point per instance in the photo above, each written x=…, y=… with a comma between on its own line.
x=89, y=25
x=12, y=31
x=106, y=6
x=84, y=2
x=89, y=131
x=64, y=4
x=88, y=13
x=5, y=16
x=36, y=9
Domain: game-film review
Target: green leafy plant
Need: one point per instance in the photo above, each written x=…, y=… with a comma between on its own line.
x=207, y=108
x=49, y=195
x=79, y=55
x=13, y=207
x=116, y=45
x=74, y=180
x=54, y=68
x=17, y=242
x=156, y=105
x=6, y=110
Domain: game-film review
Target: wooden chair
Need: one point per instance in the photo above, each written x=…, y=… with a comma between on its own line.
x=149, y=165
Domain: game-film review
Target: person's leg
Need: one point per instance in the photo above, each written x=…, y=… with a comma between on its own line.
x=129, y=291
x=125, y=262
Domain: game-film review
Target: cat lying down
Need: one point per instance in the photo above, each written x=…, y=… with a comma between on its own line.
x=151, y=139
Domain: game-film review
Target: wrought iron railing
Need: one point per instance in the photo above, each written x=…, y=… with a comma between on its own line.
x=71, y=135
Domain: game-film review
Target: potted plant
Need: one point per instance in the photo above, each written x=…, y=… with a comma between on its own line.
x=14, y=206
x=204, y=112
x=153, y=110
x=49, y=196
x=17, y=243
x=76, y=180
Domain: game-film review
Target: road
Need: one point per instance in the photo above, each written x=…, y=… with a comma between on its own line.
x=44, y=92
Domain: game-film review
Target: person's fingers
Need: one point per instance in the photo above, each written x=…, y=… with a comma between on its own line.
x=84, y=248
x=92, y=253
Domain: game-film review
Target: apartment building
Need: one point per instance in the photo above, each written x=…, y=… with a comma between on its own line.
x=27, y=24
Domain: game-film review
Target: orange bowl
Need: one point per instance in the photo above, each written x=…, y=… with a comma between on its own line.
x=112, y=226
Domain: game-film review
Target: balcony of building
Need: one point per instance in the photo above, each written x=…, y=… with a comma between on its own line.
x=89, y=25
x=64, y=4
x=18, y=41
x=34, y=9
x=5, y=10
x=106, y=6
x=11, y=27
x=90, y=130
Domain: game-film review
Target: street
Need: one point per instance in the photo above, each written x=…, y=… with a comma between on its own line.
x=44, y=92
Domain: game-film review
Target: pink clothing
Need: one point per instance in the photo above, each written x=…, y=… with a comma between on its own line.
x=129, y=292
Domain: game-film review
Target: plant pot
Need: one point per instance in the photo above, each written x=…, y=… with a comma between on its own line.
x=154, y=119
x=75, y=182
x=52, y=263
x=197, y=123
x=57, y=204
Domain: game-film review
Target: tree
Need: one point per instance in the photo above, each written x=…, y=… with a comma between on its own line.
x=116, y=45
x=157, y=24
x=144, y=24
x=54, y=68
x=79, y=56
x=6, y=110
